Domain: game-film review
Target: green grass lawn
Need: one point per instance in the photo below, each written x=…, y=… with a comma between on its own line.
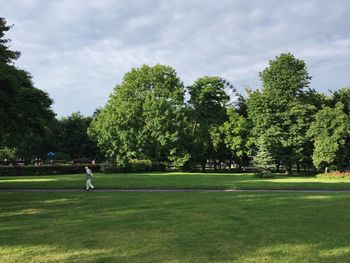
x=174, y=227
x=175, y=180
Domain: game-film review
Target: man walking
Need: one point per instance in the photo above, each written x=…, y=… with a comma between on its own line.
x=89, y=176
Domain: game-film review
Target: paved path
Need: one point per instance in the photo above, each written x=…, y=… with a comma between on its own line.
x=177, y=190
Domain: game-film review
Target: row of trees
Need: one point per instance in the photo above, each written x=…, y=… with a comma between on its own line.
x=147, y=117
x=296, y=124
x=152, y=116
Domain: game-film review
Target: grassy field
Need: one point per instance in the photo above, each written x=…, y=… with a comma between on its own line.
x=175, y=180
x=174, y=227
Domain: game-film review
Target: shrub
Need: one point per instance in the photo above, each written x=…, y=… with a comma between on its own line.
x=45, y=169
x=110, y=168
x=334, y=175
x=7, y=153
x=62, y=156
x=132, y=166
x=264, y=173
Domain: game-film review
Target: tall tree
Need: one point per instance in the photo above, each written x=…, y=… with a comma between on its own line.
x=208, y=102
x=144, y=118
x=283, y=110
x=236, y=132
x=25, y=111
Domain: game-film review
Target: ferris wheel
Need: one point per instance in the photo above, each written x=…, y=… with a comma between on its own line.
x=231, y=91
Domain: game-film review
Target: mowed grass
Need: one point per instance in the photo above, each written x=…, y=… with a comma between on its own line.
x=175, y=180
x=174, y=227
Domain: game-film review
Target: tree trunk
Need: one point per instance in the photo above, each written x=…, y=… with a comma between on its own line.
x=203, y=165
x=240, y=164
x=278, y=167
x=289, y=168
x=298, y=167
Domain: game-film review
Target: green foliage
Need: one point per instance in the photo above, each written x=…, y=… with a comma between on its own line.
x=179, y=160
x=70, y=136
x=62, y=156
x=7, y=153
x=132, y=166
x=343, y=96
x=144, y=118
x=236, y=131
x=283, y=110
x=25, y=111
x=285, y=76
x=208, y=102
x=264, y=161
x=6, y=55
x=330, y=132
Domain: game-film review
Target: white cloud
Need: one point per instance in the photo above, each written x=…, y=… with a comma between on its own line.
x=79, y=50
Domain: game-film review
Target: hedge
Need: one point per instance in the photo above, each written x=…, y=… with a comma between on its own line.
x=108, y=168
x=133, y=166
x=46, y=169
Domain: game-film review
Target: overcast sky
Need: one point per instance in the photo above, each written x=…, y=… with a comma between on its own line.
x=78, y=50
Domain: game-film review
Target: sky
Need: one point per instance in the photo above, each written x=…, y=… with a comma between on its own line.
x=79, y=50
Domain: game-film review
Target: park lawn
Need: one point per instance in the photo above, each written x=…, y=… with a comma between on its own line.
x=175, y=180
x=174, y=227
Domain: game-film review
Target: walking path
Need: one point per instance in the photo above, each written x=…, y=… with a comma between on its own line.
x=42, y=190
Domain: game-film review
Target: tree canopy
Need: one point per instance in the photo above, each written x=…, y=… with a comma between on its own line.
x=70, y=137
x=283, y=110
x=330, y=132
x=6, y=55
x=144, y=117
x=208, y=102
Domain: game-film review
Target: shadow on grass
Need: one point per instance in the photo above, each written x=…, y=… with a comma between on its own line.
x=190, y=227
